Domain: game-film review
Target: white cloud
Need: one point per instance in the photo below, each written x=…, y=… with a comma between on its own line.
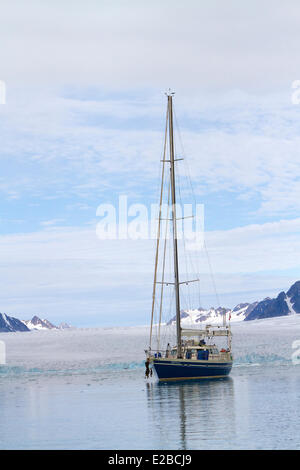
x=134, y=44
x=72, y=147
x=270, y=246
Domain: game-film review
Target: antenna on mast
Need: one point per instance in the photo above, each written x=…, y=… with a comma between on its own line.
x=170, y=92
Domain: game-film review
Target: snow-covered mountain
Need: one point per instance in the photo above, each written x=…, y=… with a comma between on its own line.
x=37, y=323
x=8, y=324
x=63, y=326
x=214, y=315
x=284, y=304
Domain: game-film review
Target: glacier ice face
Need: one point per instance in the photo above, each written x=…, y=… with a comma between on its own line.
x=105, y=351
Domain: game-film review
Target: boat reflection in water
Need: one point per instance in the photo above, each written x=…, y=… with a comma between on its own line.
x=193, y=414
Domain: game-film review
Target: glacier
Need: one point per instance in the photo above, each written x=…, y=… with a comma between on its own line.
x=82, y=350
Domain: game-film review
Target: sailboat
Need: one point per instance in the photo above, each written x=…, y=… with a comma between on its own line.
x=196, y=353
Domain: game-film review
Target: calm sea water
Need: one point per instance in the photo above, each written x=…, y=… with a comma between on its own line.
x=85, y=389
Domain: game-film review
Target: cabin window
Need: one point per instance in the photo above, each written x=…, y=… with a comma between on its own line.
x=202, y=354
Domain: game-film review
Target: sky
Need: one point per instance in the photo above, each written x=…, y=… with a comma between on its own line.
x=83, y=125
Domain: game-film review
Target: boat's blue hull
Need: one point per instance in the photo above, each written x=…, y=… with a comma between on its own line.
x=185, y=370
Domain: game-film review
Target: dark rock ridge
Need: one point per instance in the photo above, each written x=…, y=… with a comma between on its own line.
x=294, y=294
x=250, y=308
x=268, y=308
x=284, y=304
x=10, y=324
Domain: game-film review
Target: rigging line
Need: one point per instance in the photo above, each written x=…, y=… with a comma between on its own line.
x=171, y=295
x=158, y=229
x=166, y=315
x=212, y=277
x=184, y=155
x=190, y=319
x=169, y=330
x=188, y=175
x=189, y=264
x=163, y=270
x=183, y=243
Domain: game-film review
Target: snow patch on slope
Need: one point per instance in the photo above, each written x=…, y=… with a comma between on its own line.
x=290, y=306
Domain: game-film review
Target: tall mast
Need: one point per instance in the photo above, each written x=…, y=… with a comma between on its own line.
x=174, y=224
